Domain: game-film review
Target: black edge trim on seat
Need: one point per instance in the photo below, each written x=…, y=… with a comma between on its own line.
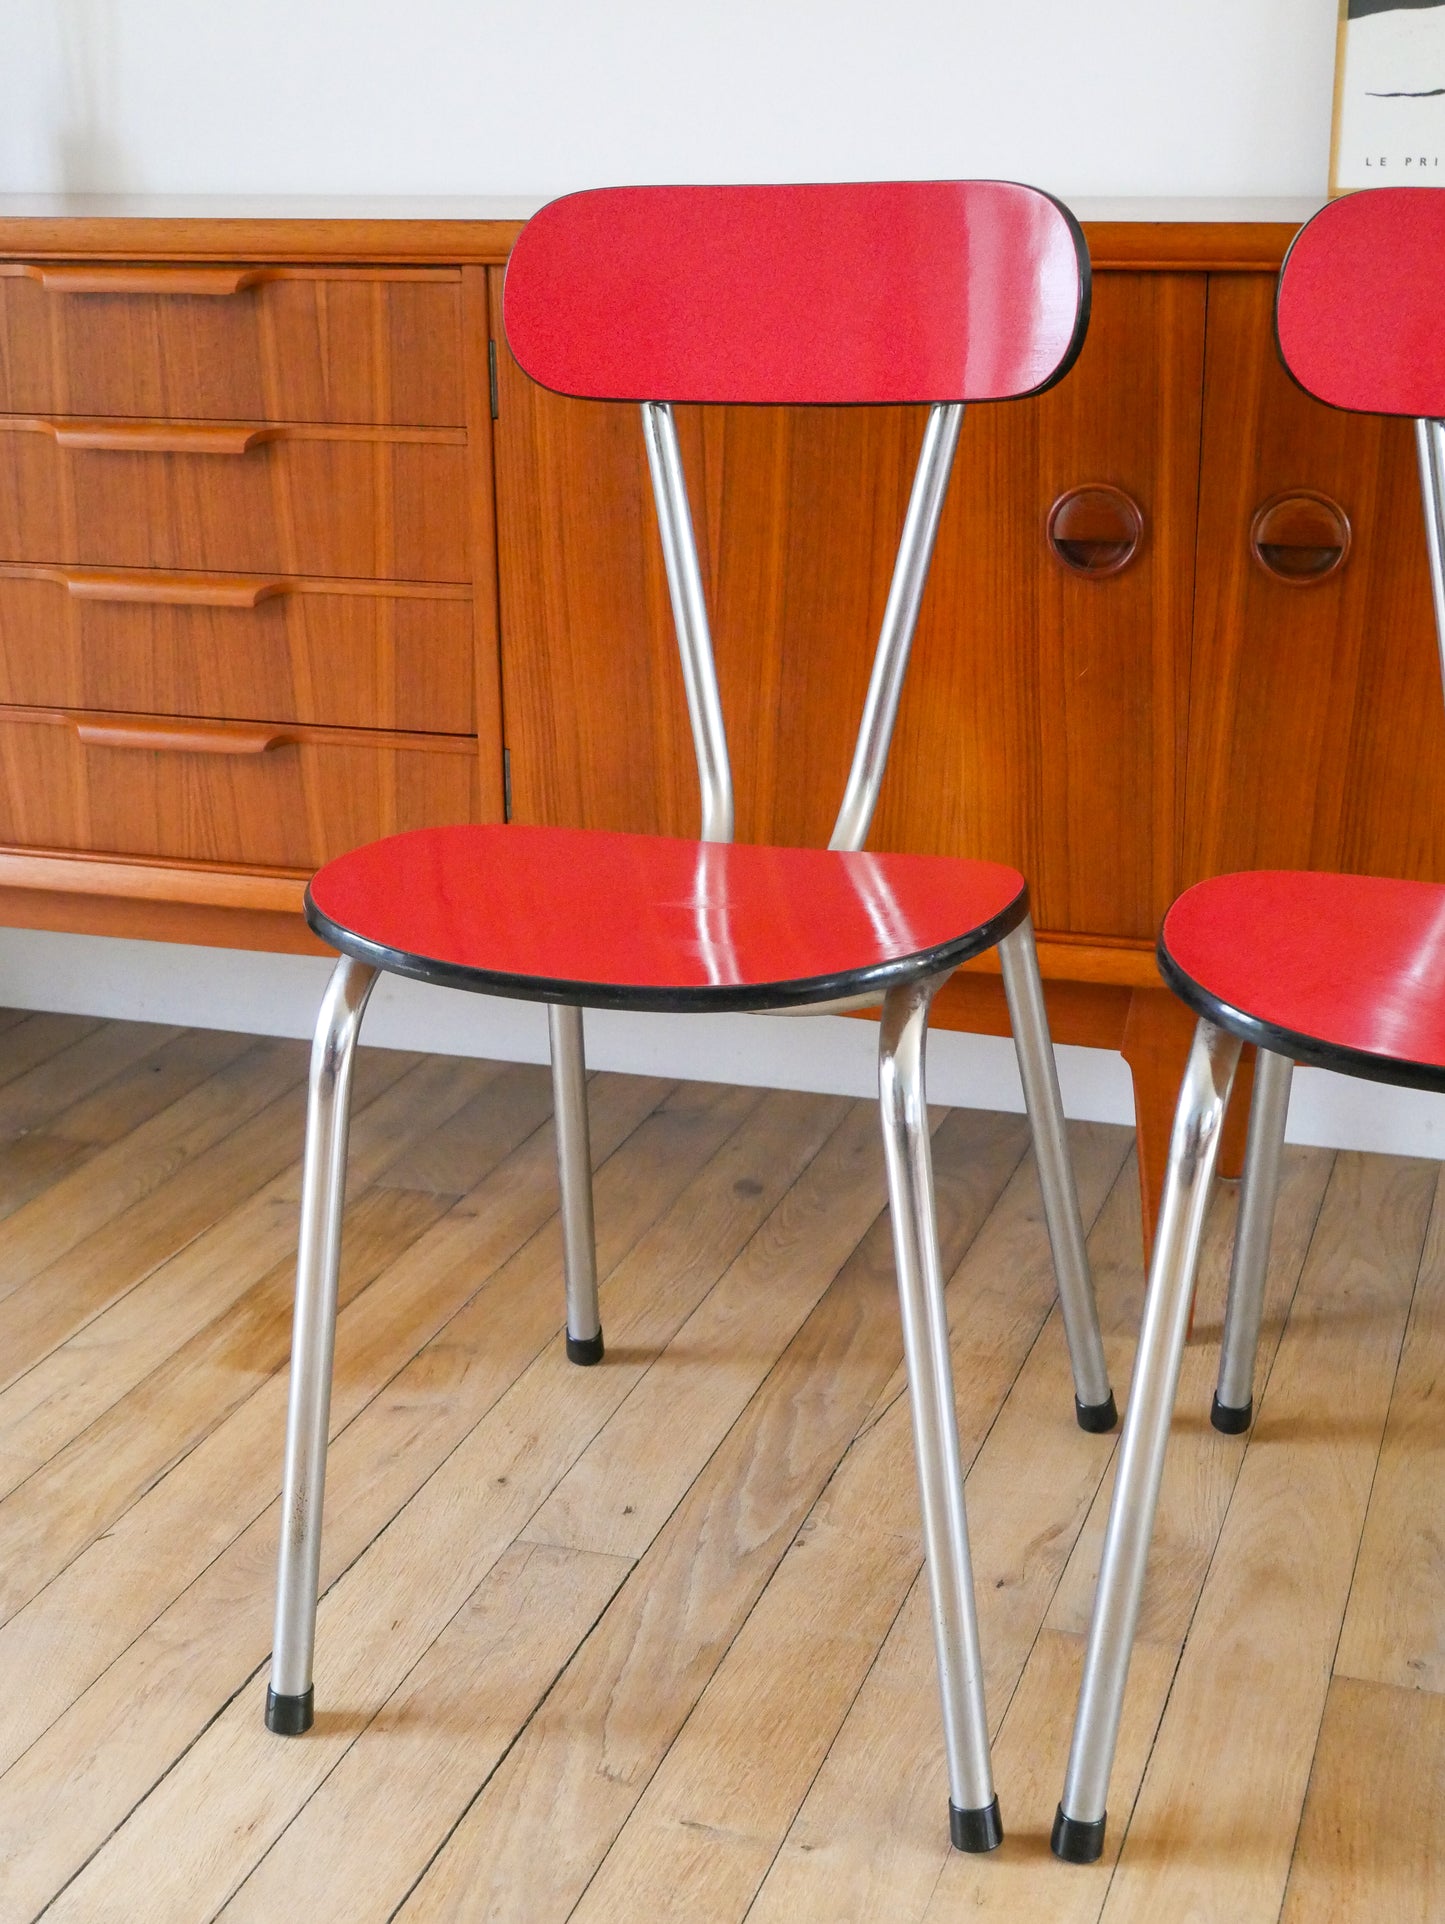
x=717, y=999
x=1307, y=1049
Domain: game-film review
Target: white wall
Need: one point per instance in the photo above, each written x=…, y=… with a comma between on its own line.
x=536, y=96
x=280, y=994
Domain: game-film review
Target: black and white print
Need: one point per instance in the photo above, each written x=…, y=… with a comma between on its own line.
x=1390, y=104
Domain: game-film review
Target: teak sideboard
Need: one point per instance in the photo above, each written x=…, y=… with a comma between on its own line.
x=291, y=556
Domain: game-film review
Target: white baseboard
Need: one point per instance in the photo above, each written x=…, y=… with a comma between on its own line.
x=279, y=995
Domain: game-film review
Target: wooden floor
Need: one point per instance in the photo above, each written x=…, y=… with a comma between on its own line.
x=650, y=1640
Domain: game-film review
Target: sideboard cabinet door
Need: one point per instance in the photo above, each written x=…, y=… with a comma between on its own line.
x=1317, y=734
x=1043, y=719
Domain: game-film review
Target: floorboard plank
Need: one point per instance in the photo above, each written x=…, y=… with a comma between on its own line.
x=38, y=1038
x=52, y=1403
x=584, y=1761
x=433, y=1743
x=1257, y=1662
x=871, y=1836
x=35, y=1099
x=95, y=1209
x=420, y=1356
x=620, y=1492
x=652, y=1640
x=1395, y=1625
x=90, y=1484
x=237, y=1787
x=74, y=1139
x=1202, y=1466
x=1372, y=1843
x=1023, y=1880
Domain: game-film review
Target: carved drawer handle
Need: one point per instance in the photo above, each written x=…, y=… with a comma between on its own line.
x=167, y=590
x=66, y=277
x=158, y=437
x=1300, y=537
x=1095, y=530
x=180, y=737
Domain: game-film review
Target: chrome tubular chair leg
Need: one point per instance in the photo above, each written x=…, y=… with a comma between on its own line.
x=973, y=1808
x=1193, y=1151
x=1093, y=1398
x=1233, y=1408
x=574, y=1176
x=323, y=1188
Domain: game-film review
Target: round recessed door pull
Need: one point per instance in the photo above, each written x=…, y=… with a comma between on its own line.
x=1300, y=537
x=1095, y=530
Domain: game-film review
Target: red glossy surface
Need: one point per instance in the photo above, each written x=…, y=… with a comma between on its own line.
x=886, y=292
x=1354, y=961
x=1361, y=308
x=649, y=914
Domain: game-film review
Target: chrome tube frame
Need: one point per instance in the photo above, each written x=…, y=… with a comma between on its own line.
x=1093, y=1398
x=313, y=1341
x=895, y=639
x=1269, y=1110
x=900, y=619
x=689, y=614
x=574, y=1179
x=906, y=1143
x=1193, y=1152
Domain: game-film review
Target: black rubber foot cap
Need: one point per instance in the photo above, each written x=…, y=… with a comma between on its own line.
x=1097, y=1417
x=584, y=1349
x=1077, y=1842
x=975, y=1830
x=1232, y=1422
x=289, y=1716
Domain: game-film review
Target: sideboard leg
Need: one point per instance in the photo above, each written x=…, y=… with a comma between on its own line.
x=1158, y=1033
x=1236, y=1117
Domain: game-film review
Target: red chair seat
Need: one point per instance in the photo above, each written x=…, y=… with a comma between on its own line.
x=1343, y=971
x=650, y=922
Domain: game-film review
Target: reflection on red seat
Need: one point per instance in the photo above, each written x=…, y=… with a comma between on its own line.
x=654, y=922
x=1345, y=971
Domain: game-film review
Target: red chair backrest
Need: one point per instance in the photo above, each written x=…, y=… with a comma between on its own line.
x=1360, y=312
x=895, y=291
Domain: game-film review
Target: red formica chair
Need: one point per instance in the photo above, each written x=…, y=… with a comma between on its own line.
x=1345, y=972
x=938, y=293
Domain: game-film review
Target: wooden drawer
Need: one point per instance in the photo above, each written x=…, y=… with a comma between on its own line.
x=232, y=343
x=296, y=501
x=237, y=646
x=313, y=794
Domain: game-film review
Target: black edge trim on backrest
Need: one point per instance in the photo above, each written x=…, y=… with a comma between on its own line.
x=1274, y=315
x=1086, y=292
x=749, y=997
x=1071, y=354
x=1307, y=1049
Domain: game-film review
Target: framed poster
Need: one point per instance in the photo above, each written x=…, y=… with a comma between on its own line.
x=1389, y=95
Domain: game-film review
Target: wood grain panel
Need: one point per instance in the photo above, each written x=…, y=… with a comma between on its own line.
x=1394, y=1629
x=289, y=344
x=297, y=503
x=310, y=653
x=1317, y=737
x=1372, y=1839
x=293, y=807
x=1043, y=715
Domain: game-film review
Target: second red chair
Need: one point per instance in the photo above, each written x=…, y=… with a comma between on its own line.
x=1346, y=972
